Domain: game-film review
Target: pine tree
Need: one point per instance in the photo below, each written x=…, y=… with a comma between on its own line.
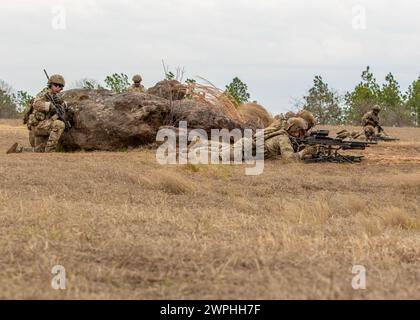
x=238, y=91
x=413, y=100
x=323, y=102
x=363, y=97
x=394, y=110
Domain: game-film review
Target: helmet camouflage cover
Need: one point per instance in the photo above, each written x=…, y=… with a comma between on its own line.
x=137, y=78
x=343, y=134
x=376, y=108
x=289, y=115
x=295, y=124
x=58, y=79
x=308, y=117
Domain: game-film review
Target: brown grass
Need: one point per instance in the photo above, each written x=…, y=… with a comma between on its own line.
x=209, y=94
x=255, y=113
x=125, y=227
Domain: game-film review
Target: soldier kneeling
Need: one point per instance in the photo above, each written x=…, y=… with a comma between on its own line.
x=370, y=121
x=45, y=127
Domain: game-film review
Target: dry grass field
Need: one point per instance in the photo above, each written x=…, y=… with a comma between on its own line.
x=125, y=227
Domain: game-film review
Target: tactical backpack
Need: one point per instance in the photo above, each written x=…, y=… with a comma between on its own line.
x=28, y=110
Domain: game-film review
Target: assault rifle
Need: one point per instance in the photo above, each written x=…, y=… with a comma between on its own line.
x=377, y=125
x=59, y=110
x=327, y=148
x=378, y=137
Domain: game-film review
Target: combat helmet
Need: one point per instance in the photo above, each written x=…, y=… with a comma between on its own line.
x=137, y=78
x=289, y=115
x=296, y=124
x=376, y=108
x=57, y=79
x=343, y=134
x=308, y=117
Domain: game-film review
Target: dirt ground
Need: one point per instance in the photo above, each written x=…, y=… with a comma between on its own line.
x=125, y=227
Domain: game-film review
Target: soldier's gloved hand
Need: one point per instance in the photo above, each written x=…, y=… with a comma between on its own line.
x=58, y=100
x=311, y=150
x=308, y=151
x=53, y=110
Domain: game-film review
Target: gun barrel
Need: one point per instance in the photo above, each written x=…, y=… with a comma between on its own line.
x=46, y=74
x=328, y=141
x=354, y=147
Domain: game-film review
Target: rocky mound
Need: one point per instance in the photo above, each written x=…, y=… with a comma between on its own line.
x=169, y=90
x=103, y=120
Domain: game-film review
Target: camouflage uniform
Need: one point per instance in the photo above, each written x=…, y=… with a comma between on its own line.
x=370, y=121
x=30, y=111
x=370, y=118
x=345, y=134
x=276, y=145
x=279, y=145
x=46, y=127
x=369, y=131
x=276, y=142
x=136, y=89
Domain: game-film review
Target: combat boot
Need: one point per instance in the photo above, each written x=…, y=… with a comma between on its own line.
x=49, y=149
x=15, y=148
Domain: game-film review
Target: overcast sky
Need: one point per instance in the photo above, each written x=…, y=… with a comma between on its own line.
x=276, y=47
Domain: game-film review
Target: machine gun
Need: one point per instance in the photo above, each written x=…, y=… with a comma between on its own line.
x=327, y=148
x=59, y=110
x=378, y=137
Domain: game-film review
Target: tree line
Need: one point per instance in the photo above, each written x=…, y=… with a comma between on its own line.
x=398, y=108
x=327, y=105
